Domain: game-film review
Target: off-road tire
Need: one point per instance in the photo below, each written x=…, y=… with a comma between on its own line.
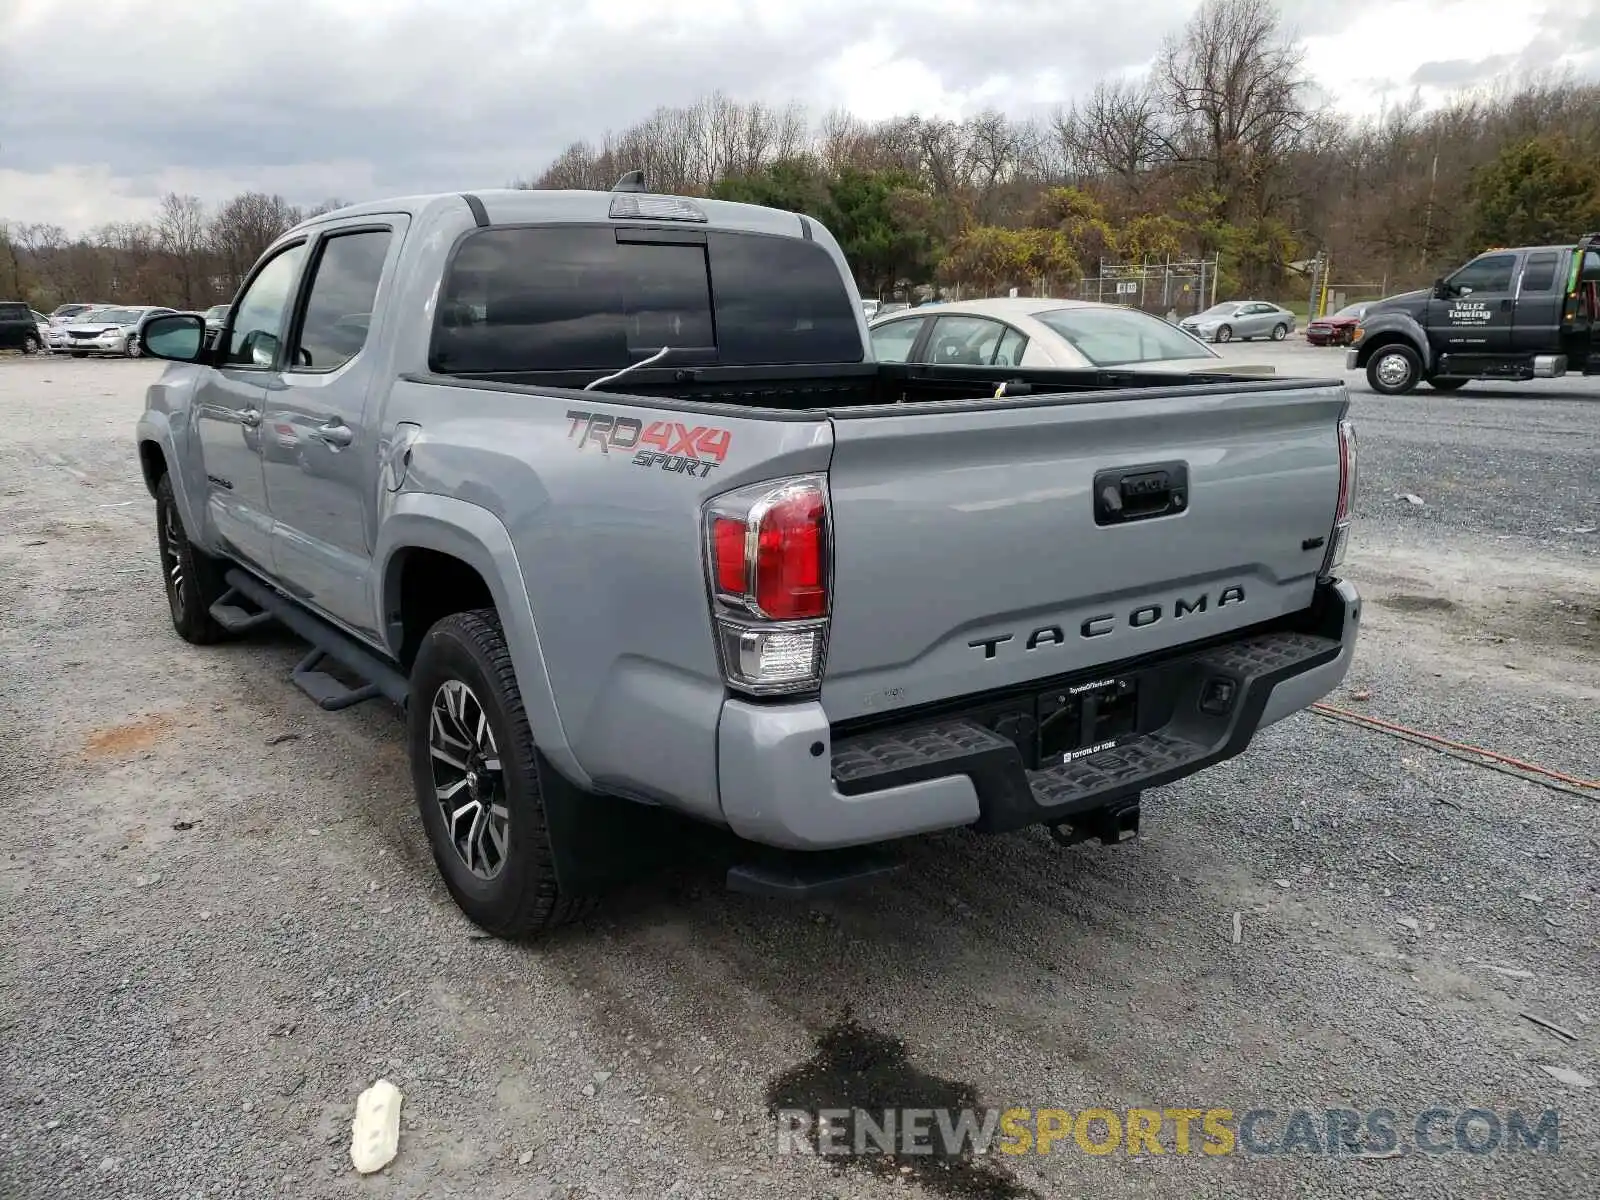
x=1384, y=379
x=1448, y=385
x=523, y=898
x=192, y=578
x=1279, y=332
x=1225, y=333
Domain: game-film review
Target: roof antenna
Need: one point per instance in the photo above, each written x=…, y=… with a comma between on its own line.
x=633, y=181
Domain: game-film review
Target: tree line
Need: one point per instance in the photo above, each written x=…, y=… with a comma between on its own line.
x=1223, y=150
x=184, y=257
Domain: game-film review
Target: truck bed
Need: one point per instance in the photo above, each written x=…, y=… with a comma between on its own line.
x=855, y=385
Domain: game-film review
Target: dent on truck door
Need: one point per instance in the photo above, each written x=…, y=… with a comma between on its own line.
x=321, y=455
x=230, y=403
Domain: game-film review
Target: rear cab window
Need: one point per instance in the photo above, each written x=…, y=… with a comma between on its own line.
x=601, y=297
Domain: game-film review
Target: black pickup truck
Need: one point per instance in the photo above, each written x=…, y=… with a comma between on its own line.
x=1528, y=313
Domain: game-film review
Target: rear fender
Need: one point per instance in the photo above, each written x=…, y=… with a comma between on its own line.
x=423, y=520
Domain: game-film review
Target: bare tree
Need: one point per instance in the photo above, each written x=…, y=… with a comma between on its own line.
x=244, y=227
x=1235, y=87
x=182, y=234
x=1118, y=131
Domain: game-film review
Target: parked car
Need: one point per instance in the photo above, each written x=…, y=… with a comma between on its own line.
x=216, y=316
x=1243, y=319
x=18, y=329
x=1021, y=332
x=62, y=313
x=1337, y=329
x=656, y=536
x=106, y=331
x=1511, y=314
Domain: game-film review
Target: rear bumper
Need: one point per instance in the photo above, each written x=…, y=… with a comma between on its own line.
x=786, y=781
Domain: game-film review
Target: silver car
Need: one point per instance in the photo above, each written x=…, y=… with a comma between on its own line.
x=1242, y=319
x=105, y=331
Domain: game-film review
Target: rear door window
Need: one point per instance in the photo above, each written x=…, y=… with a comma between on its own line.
x=339, y=307
x=964, y=341
x=1012, y=346
x=1539, y=272
x=892, y=341
x=553, y=298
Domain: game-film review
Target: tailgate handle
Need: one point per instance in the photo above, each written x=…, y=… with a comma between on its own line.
x=1124, y=494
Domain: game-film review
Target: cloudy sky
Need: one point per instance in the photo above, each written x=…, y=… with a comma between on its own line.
x=106, y=105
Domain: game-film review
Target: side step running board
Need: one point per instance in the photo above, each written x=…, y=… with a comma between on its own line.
x=381, y=678
x=230, y=613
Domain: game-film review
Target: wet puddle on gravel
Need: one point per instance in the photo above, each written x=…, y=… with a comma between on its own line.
x=869, y=1074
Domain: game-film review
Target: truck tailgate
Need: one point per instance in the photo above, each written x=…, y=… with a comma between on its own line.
x=969, y=553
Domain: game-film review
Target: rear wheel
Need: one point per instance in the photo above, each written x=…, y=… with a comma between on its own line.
x=1225, y=334
x=193, y=578
x=1447, y=385
x=1279, y=332
x=476, y=774
x=1393, y=370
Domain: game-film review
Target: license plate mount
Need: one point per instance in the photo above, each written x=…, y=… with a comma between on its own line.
x=1077, y=720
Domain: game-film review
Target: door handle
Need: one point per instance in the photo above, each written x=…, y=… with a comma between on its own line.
x=250, y=417
x=335, y=433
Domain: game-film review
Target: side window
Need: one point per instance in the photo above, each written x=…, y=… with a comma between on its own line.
x=892, y=342
x=258, y=322
x=1491, y=273
x=1539, y=272
x=1012, y=346
x=339, y=307
x=964, y=341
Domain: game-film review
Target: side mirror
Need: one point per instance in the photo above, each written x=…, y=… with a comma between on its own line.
x=1441, y=289
x=180, y=337
x=259, y=347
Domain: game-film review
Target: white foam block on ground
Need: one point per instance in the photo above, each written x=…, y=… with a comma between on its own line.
x=375, y=1133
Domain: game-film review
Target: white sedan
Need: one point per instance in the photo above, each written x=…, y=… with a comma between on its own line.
x=105, y=331
x=1075, y=334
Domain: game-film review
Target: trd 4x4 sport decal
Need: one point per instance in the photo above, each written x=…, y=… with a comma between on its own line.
x=674, y=448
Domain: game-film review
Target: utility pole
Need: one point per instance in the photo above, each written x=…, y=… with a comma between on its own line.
x=1427, y=222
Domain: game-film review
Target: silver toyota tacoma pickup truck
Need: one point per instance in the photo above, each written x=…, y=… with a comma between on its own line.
x=606, y=490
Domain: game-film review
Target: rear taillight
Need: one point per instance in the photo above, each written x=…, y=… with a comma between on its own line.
x=768, y=562
x=1342, y=511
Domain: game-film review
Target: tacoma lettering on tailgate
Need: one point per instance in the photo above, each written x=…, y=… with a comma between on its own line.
x=1098, y=626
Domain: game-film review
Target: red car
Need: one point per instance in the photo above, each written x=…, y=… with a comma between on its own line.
x=1336, y=328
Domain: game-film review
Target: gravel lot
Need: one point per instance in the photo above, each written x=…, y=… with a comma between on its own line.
x=221, y=921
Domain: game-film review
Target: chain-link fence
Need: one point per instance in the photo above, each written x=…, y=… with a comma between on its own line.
x=1160, y=286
